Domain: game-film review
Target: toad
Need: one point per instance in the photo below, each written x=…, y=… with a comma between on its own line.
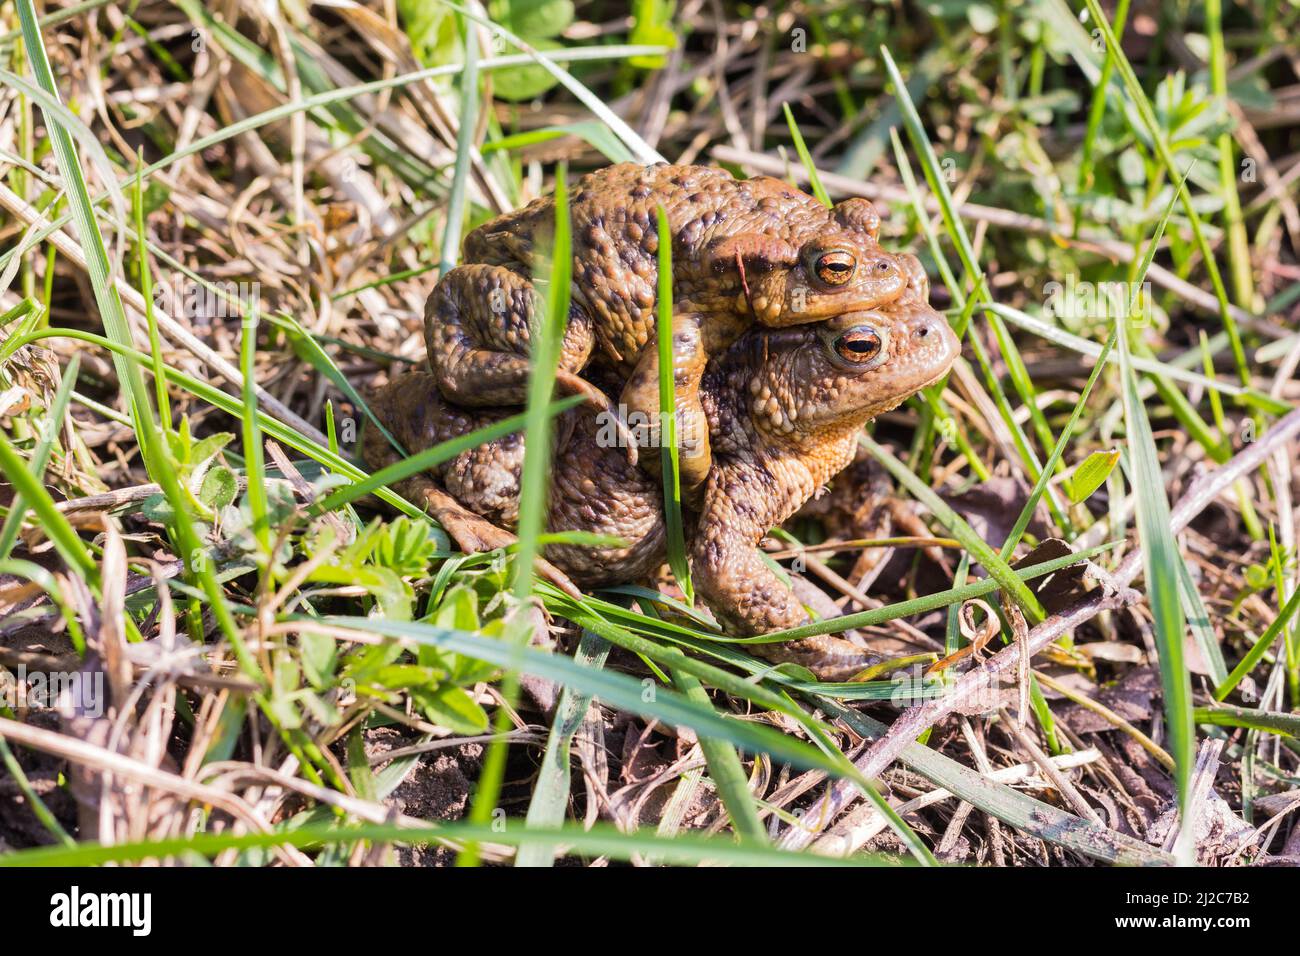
x=744, y=252
x=784, y=407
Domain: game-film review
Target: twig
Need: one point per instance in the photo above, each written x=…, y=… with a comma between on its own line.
x=851, y=834
x=1060, y=781
x=88, y=755
x=1207, y=766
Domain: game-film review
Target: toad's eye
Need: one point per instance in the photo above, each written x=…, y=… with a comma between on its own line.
x=834, y=268
x=859, y=345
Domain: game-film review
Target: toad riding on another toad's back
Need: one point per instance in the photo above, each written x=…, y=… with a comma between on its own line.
x=791, y=329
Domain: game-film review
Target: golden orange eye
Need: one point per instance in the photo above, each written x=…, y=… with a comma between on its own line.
x=859, y=345
x=835, y=268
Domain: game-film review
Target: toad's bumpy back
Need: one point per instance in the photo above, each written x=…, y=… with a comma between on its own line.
x=743, y=251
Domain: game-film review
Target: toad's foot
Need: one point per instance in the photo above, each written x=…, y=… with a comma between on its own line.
x=641, y=398
x=830, y=658
x=606, y=415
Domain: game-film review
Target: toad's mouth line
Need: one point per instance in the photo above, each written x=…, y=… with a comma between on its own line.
x=938, y=375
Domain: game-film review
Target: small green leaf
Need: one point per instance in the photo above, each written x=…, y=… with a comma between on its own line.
x=1090, y=475
x=451, y=707
x=431, y=28
x=230, y=726
x=158, y=509
x=203, y=451
x=405, y=546
x=668, y=449
x=459, y=609
x=404, y=676
x=319, y=655
x=219, y=488
x=533, y=19
x=652, y=26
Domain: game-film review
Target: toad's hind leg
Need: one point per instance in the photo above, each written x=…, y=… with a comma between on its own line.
x=478, y=331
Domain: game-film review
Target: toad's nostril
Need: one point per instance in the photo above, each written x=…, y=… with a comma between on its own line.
x=923, y=331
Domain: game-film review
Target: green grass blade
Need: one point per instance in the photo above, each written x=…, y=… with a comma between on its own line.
x=1234, y=225
x=1260, y=647
x=254, y=453
x=1198, y=619
x=595, y=134
x=919, y=605
x=1040, y=486
x=468, y=120
x=600, y=840
x=805, y=157
x=146, y=293
x=34, y=802
x=669, y=451
x=550, y=799
x=1266, y=721
x=725, y=769
x=74, y=552
x=554, y=276
x=1097, y=108
x=547, y=340
x=979, y=549
x=1160, y=560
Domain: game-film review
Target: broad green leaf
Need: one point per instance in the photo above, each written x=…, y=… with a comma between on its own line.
x=450, y=706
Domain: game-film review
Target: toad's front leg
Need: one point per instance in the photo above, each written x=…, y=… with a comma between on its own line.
x=641, y=399
x=748, y=597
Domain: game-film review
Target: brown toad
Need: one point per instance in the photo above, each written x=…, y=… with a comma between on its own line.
x=784, y=408
x=744, y=252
